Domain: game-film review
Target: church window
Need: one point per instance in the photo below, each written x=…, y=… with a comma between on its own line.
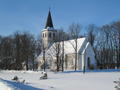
x=53, y=35
x=49, y=35
x=88, y=62
x=45, y=35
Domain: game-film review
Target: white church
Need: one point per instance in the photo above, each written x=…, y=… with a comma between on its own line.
x=85, y=53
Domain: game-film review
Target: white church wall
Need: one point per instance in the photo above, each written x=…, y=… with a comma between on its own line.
x=82, y=56
x=90, y=54
x=79, y=62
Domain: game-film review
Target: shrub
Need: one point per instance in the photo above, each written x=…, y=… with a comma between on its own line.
x=91, y=67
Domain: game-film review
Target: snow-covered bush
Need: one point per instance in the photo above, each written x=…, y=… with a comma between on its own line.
x=44, y=75
x=117, y=84
x=15, y=78
x=91, y=67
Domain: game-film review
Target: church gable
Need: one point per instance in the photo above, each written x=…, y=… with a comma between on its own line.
x=68, y=46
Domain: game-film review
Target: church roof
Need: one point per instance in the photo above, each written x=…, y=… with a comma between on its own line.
x=49, y=22
x=69, y=46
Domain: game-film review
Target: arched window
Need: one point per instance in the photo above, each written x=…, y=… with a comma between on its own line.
x=53, y=35
x=50, y=35
x=45, y=35
x=88, y=62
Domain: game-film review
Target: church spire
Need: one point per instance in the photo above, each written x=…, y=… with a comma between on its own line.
x=49, y=22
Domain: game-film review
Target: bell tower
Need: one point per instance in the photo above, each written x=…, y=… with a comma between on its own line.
x=48, y=33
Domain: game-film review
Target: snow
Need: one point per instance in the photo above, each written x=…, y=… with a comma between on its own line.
x=69, y=80
x=69, y=45
x=4, y=86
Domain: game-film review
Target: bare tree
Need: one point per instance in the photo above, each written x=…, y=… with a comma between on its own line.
x=38, y=45
x=17, y=50
x=44, y=52
x=24, y=50
x=91, y=34
x=62, y=56
x=6, y=52
x=116, y=28
x=107, y=46
x=74, y=30
x=58, y=50
x=0, y=50
x=28, y=49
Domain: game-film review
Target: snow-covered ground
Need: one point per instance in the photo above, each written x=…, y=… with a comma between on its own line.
x=59, y=81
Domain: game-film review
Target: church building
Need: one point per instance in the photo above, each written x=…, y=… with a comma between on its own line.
x=85, y=53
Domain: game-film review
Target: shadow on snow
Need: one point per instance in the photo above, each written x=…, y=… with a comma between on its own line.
x=97, y=70
x=20, y=86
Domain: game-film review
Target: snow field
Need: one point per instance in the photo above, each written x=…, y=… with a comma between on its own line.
x=65, y=81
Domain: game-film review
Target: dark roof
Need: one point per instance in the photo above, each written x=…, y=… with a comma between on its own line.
x=49, y=22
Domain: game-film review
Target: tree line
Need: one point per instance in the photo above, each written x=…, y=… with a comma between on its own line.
x=106, y=43
x=18, y=51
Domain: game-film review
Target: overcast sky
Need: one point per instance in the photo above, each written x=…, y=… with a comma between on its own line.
x=30, y=15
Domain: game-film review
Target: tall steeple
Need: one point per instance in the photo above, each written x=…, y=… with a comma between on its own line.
x=48, y=33
x=49, y=22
